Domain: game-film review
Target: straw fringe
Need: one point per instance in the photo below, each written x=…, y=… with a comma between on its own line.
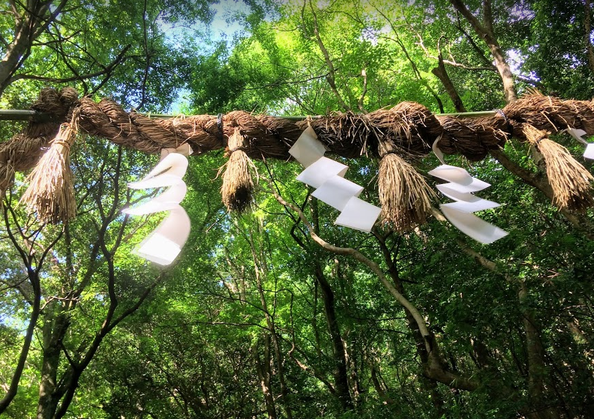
x=569, y=180
x=238, y=186
x=51, y=183
x=404, y=194
x=409, y=128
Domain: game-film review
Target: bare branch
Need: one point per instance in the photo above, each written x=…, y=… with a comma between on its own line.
x=414, y=67
x=485, y=32
x=106, y=70
x=375, y=268
x=331, y=78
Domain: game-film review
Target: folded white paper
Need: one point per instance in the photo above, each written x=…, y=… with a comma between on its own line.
x=577, y=134
x=165, y=201
x=307, y=149
x=319, y=172
x=452, y=174
x=589, y=153
x=185, y=150
x=326, y=176
x=473, y=226
x=460, y=213
x=337, y=191
x=358, y=215
x=151, y=207
x=470, y=207
x=164, y=244
x=438, y=153
x=156, y=182
x=173, y=165
x=469, y=202
x=474, y=186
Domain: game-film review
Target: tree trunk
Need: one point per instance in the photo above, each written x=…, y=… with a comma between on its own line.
x=430, y=367
x=485, y=32
x=341, y=383
x=441, y=73
x=264, y=375
x=537, y=370
x=18, y=372
x=53, y=331
x=27, y=29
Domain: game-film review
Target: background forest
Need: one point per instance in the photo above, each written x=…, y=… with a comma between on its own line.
x=255, y=319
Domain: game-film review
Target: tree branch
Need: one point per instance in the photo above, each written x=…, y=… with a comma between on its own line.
x=331, y=78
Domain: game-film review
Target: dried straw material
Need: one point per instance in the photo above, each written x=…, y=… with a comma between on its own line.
x=409, y=128
x=19, y=154
x=23, y=151
x=569, y=180
x=51, y=183
x=550, y=114
x=473, y=138
x=404, y=194
x=238, y=186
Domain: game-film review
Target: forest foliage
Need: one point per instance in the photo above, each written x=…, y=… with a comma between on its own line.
x=256, y=319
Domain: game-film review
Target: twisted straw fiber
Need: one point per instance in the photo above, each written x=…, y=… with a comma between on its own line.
x=409, y=128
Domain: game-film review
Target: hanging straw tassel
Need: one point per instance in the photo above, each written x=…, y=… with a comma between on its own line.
x=51, y=183
x=569, y=180
x=238, y=187
x=403, y=192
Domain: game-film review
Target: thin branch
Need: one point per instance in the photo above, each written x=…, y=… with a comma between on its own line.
x=107, y=70
x=331, y=78
x=375, y=268
x=364, y=92
x=414, y=67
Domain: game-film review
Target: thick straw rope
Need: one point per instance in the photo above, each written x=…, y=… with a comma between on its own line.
x=23, y=151
x=410, y=128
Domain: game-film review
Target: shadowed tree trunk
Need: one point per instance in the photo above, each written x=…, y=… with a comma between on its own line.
x=341, y=383
x=265, y=374
x=53, y=332
x=34, y=20
x=441, y=73
x=537, y=369
x=485, y=31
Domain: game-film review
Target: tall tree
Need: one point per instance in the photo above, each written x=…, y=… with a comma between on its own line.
x=279, y=312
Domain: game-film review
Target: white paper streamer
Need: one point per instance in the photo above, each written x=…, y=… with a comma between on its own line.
x=358, y=215
x=589, y=153
x=473, y=226
x=460, y=213
x=337, y=191
x=166, y=201
x=327, y=176
x=185, y=150
x=578, y=134
x=460, y=179
x=307, y=149
x=320, y=171
x=164, y=244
